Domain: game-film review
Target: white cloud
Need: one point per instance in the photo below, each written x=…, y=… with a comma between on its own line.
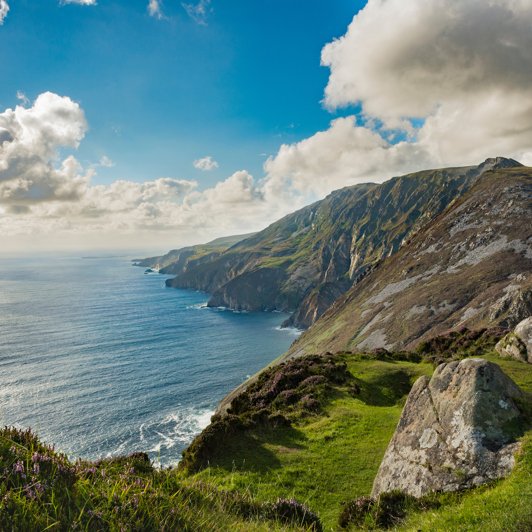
x=461, y=68
x=205, y=164
x=81, y=2
x=4, y=8
x=105, y=161
x=198, y=12
x=154, y=8
x=343, y=155
x=53, y=201
x=30, y=140
x=23, y=97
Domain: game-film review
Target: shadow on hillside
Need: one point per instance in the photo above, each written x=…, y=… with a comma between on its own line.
x=249, y=451
x=386, y=389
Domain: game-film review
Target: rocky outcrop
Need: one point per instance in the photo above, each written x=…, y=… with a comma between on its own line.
x=518, y=344
x=457, y=430
x=514, y=306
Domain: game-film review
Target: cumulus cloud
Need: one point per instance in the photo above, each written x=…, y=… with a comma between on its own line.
x=4, y=8
x=198, y=12
x=154, y=8
x=453, y=77
x=47, y=197
x=205, y=164
x=30, y=140
x=145, y=212
x=343, y=155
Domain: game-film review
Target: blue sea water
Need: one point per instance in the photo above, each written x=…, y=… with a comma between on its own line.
x=102, y=359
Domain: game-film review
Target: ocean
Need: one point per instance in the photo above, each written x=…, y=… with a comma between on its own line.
x=102, y=359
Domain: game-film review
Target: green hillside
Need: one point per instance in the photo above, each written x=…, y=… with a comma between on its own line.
x=180, y=260
x=339, y=425
x=308, y=259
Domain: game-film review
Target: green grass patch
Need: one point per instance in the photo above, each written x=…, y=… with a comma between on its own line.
x=323, y=459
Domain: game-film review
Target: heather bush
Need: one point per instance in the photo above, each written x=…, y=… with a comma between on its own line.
x=291, y=511
x=281, y=387
x=288, y=391
x=462, y=343
x=386, y=511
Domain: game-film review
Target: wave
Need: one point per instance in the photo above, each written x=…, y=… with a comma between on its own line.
x=163, y=438
x=290, y=330
x=197, y=306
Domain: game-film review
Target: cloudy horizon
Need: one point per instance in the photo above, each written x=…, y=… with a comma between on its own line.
x=409, y=87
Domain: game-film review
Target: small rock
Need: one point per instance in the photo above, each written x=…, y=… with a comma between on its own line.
x=457, y=430
x=518, y=344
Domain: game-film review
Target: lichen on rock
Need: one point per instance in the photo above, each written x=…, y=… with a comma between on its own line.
x=457, y=430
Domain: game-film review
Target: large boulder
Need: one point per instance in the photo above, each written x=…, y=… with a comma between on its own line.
x=518, y=344
x=457, y=430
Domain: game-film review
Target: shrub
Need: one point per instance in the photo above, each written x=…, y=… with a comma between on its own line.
x=291, y=511
x=388, y=510
x=460, y=344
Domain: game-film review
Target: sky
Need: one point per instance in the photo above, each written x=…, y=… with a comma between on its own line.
x=150, y=125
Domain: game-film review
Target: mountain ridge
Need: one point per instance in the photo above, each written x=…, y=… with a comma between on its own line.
x=305, y=261
x=471, y=266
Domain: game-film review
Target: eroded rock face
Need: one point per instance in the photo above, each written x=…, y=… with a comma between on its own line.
x=457, y=430
x=518, y=344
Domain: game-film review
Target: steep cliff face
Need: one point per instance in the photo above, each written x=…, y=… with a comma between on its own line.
x=471, y=266
x=315, y=255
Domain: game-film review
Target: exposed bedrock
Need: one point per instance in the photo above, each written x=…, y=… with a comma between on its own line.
x=457, y=430
x=518, y=344
x=471, y=266
x=315, y=304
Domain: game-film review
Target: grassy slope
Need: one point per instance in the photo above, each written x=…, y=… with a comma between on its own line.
x=334, y=457
x=41, y=490
x=329, y=458
x=193, y=252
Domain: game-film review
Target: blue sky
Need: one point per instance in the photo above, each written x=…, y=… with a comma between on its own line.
x=146, y=124
x=161, y=93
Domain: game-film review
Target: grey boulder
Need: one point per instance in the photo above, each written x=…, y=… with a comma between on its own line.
x=457, y=430
x=518, y=344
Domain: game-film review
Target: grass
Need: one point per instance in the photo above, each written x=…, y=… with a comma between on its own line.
x=322, y=460
x=41, y=490
x=330, y=458
x=305, y=440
